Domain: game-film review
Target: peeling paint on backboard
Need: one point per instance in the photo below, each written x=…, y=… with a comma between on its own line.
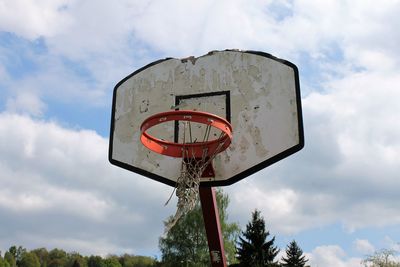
x=264, y=110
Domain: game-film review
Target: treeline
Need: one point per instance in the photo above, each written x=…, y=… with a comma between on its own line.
x=41, y=257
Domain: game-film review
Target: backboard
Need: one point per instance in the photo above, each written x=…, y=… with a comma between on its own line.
x=256, y=92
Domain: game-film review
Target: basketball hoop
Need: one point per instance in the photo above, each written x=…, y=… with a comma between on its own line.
x=195, y=150
x=266, y=115
x=196, y=156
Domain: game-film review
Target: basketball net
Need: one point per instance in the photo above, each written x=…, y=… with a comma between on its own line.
x=188, y=182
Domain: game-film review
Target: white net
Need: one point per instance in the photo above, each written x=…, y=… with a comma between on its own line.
x=188, y=182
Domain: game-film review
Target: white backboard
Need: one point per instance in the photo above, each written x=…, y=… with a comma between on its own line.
x=256, y=92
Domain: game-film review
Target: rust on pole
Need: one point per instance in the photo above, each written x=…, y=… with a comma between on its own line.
x=213, y=227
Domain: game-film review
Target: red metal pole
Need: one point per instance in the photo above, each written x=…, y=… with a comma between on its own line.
x=213, y=228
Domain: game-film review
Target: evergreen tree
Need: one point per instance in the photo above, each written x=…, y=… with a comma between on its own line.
x=294, y=256
x=254, y=249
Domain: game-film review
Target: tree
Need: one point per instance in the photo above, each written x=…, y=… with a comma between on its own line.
x=10, y=259
x=76, y=260
x=57, y=258
x=16, y=254
x=382, y=258
x=127, y=260
x=29, y=259
x=112, y=262
x=294, y=256
x=95, y=261
x=230, y=231
x=253, y=248
x=13, y=251
x=186, y=243
x=43, y=256
x=3, y=262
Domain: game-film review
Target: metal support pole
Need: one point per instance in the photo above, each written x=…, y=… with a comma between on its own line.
x=213, y=228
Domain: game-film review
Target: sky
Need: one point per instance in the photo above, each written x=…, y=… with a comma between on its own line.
x=60, y=60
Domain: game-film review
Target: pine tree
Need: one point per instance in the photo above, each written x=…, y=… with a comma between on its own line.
x=294, y=256
x=254, y=249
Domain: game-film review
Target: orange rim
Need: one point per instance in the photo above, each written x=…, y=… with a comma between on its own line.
x=195, y=150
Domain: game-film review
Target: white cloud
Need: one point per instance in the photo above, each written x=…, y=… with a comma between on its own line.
x=32, y=19
x=278, y=206
x=116, y=39
x=104, y=246
x=332, y=256
x=21, y=203
x=86, y=50
x=362, y=109
x=57, y=183
x=43, y=198
x=26, y=102
x=391, y=244
x=364, y=246
x=52, y=84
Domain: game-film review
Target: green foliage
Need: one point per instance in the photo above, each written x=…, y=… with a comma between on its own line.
x=382, y=258
x=74, y=259
x=13, y=251
x=57, y=258
x=95, y=261
x=16, y=254
x=186, y=243
x=112, y=262
x=10, y=259
x=20, y=253
x=230, y=231
x=127, y=260
x=3, y=262
x=294, y=256
x=29, y=259
x=43, y=256
x=253, y=248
